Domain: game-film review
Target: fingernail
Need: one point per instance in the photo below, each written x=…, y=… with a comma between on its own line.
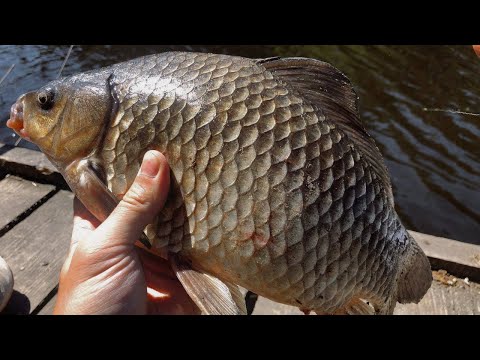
x=150, y=164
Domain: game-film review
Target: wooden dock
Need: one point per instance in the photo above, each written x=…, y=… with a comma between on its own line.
x=36, y=222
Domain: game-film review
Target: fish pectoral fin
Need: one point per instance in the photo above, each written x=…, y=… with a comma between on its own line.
x=333, y=95
x=210, y=294
x=90, y=189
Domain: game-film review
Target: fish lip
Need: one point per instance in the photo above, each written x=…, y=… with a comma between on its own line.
x=16, y=122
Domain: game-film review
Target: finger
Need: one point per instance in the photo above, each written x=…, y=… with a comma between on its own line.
x=175, y=303
x=142, y=202
x=81, y=212
x=84, y=223
x=155, y=264
x=166, y=295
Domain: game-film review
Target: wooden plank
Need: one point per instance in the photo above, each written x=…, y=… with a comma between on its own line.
x=448, y=249
x=36, y=248
x=48, y=308
x=17, y=195
x=444, y=299
x=27, y=157
x=29, y=164
x=268, y=307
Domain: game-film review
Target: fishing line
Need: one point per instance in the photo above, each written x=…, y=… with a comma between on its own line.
x=1, y=81
x=18, y=141
x=65, y=61
x=6, y=74
x=451, y=111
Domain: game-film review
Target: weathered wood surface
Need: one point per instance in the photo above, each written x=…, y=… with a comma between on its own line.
x=17, y=196
x=48, y=308
x=36, y=248
x=26, y=157
x=29, y=164
x=268, y=307
x=459, y=298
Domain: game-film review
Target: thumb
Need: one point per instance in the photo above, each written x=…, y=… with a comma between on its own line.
x=142, y=202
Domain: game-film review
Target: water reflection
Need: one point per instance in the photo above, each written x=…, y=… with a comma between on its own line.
x=433, y=157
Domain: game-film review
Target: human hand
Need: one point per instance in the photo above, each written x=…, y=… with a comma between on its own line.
x=105, y=273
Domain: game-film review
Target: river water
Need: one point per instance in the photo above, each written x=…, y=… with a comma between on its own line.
x=433, y=157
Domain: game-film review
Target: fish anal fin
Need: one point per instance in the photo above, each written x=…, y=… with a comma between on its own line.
x=356, y=306
x=210, y=294
x=359, y=307
x=237, y=297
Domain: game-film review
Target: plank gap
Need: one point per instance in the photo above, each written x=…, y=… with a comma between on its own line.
x=45, y=301
x=22, y=216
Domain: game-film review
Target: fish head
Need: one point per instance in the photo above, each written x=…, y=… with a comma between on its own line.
x=64, y=118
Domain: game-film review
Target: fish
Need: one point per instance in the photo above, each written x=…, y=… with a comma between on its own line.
x=276, y=185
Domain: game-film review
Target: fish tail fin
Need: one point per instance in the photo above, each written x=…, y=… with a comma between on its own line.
x=416, y=276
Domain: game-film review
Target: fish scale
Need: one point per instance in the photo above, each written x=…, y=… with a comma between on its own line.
x=288, y=264
x=275, y=184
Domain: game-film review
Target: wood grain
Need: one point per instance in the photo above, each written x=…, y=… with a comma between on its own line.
x=27, y=157
x=268, y=307
x=36, y=248
x=30, y=164
x=444, y=299
x=48, y=308
x=17, y=196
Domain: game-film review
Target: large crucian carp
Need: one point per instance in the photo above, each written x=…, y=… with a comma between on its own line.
x=276, y=184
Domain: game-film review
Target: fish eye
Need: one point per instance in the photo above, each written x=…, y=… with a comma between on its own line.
x=45, y=99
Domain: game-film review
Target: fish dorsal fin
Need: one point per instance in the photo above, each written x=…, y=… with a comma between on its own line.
x=331, y=93
x=210, y=294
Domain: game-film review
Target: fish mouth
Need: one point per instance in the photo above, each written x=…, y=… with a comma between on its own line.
x=16, y=118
